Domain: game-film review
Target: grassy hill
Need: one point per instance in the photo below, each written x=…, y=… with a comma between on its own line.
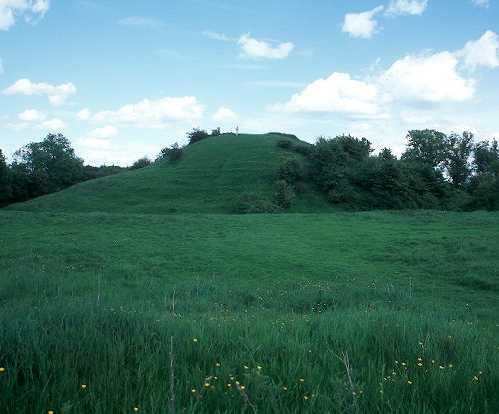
x=209, y=179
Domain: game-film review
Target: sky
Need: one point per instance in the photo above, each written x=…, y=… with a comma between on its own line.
x=124, y=79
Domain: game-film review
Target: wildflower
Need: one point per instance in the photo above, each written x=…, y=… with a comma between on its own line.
x=50, y=412
x=475, y=378
x=302, y=380
x=136, y=409
x=258, y=367
x=404, y=364
x=217, y=364
x=441, y=367
x=420, y=359
x=409, y=382
x=243, y=387
x=2, y=370
x=285, y=388
x=420, y=364
x=229, y=385
x=206, y=384
x=305, y=397
x=245, y=367
x=450, y=365
x=432, y=361
x=83, y=386
x=231, y=378
x=193, y=390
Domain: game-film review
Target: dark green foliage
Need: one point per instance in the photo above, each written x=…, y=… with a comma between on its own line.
x=291, y=171
x=216, y=132
x=484, y=186
x=285, y=144
x=45, y=167
x=284, y=194
x=5, y=181
x=459, y=150
x=141, y=163
x=426, y=147
x=172, y=154
x=486, y=159
x=253, y=203
x=197, y=135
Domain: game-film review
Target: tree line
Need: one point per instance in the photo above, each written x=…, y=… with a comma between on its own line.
x=436, y=171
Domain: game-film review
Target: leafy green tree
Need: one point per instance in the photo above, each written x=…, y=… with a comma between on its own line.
x=459, y=150
x=426, y=147
x=44, y=167
x=486, y=156
x=284, y=194
x=197, y=135
x=5, y=180
x=141, y=163
x=216, y=132
x=172, y=154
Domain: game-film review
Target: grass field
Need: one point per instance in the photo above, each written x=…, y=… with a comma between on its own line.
x=344, y=312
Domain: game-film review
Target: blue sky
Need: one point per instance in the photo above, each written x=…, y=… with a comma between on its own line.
x=123, y=79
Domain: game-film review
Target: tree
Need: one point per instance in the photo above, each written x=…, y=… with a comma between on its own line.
x=216, y=132
x=44, y=167
x=459, y=149
x=486, y=156
x=426, y=147
x=5, y=180
x=197, y=135
x=141, y=163
x=172, y=154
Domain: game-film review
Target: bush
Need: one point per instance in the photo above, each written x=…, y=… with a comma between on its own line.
x=197, y=135
x=291, y=171
x=285, y=144
x=252, y=203
x=216, y=132
x=141, y=163
x=171, y=154
x=284, y=194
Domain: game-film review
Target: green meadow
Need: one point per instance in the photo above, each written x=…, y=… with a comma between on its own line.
x=143, y=292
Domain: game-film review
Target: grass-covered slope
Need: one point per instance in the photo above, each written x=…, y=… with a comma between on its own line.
x=209, y=179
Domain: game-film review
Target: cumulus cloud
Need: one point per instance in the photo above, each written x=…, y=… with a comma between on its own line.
x=337, y=93
x=259, y=49
x=427, y=78
x=362, y=25
x=54, y=125
x=224, y=114
x=99, y=138
x=153, y=113
x=406, y=7
x=483, y=52
x=10, y=10
x=84, y=114
x=31, y=115
x=57, y=94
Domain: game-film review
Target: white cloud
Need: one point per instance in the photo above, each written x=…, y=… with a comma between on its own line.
x=154, y=113
x=362, y=25
x=105, y=132
x=482, y=52
x=224, y=114
x=57, y=94
x=406, y=7
x=259, y=49
x=141, y=22
x=84, y=114
x=481, y=3
x=337, y=93
x=426, y=78
x=1, y=67
x=31, y=115
x=54, y=124
x=217, y=36
x=10, y=10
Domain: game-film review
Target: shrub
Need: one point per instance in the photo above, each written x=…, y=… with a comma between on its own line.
x=171, y=154
x=141, y=163
x=285, y=144
x=216, y=132
x=291, y=171
x=197, y=135
x=284, y=194
x=253, y=203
